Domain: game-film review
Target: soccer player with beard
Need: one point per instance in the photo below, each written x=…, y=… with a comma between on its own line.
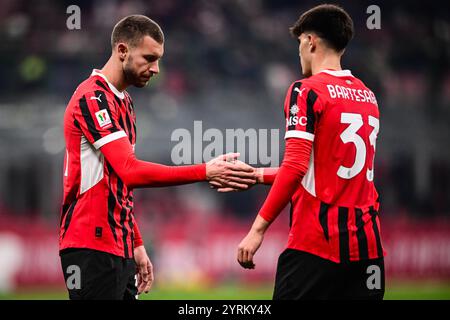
x=334, y=248
x=99, y=235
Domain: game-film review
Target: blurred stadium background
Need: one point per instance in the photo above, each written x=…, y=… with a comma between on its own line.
x=227, y=63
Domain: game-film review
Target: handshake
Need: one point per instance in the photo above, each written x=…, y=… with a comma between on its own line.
x=226, y=174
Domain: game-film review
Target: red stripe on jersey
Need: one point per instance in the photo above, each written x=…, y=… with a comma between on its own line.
x=333, y=227
x=135, y=235
x=67, y=217
x=112, y=223
x=323, y=219
x=86, y=120
x=353, y=239
x=371, y=239
x=363, y=251
x=344, y=245
x=122, y=215
x=376, y=231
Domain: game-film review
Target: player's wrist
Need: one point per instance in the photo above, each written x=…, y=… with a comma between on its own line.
x=259, y=175
x=260, y=225
x=202, y=171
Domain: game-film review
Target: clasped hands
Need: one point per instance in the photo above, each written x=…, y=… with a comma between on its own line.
x=226, y=174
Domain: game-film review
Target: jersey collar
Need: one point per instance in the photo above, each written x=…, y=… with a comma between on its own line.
x=339, y=73
x=119, y=94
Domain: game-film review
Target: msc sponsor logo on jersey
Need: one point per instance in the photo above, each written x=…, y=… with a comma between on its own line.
x=103, y=118
x=359, y=95
x=294, y=120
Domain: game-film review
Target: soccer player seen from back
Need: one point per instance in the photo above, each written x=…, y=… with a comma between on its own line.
x=334, y=248
x=99, y=235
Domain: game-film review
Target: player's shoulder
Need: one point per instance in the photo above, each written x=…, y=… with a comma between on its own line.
x=93, y=86
x=306, y=88
x=305, y=84
x=298, y=83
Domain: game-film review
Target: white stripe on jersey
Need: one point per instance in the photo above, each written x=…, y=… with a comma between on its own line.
x=110, y=137
x=308, y=181
x=299, y=134
x=91, y=162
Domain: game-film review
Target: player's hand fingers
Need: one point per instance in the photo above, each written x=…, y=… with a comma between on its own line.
x=143, y=277
x=215, y=184
x=144, y=273
x=242, y=258
x=225, y=190
x=225, y=183
x=140, y=284
x=141, y=287
x=240, y=186
x=239, y=168
x=242, y=166
x=240, y=254
x=242, y=180
x=229, y=157
x=233, y=183
x=242, y=173
x=247, y=261
x=247, y=249
x=245, y=180
x=150, y=277
x=250, y=263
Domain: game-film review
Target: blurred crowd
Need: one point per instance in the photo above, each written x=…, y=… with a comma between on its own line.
x=227, y=63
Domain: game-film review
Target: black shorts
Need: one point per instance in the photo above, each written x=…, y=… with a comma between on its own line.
x=97, y=275
x=301, y=275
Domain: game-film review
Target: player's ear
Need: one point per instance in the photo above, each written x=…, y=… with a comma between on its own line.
x=312, y=42
x=122, y=50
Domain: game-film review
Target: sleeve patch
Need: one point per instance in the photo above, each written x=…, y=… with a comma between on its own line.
x=103, y=118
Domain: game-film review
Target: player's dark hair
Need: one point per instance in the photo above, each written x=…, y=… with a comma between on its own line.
x=330, y=22
x=132, y=29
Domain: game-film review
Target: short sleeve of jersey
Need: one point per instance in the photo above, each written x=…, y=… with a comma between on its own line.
x=97, y=117
x=300, y=108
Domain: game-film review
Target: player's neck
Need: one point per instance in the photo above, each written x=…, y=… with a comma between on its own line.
x=113, y=72
x=326, y=62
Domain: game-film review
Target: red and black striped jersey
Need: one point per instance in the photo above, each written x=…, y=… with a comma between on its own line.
x=97, y=210
x=335, y=209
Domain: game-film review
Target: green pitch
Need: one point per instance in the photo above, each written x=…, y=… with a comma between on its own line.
x=396, y=291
